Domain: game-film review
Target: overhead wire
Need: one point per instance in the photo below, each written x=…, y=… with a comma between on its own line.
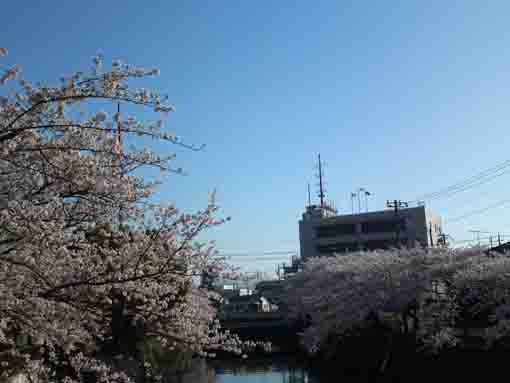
x=479, y=211
x=257, y=253
x=252, y=259
x=471, y=185
x=468, y=203
x=258, y=256
x=492, y=237
x=468, y=183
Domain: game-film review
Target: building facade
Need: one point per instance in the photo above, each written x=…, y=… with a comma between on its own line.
x=252, y=303
x=323, y=232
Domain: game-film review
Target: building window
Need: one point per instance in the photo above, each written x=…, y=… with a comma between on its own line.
x=335, y=230
x=337, y=248
x=383, y=244
x=389, y=226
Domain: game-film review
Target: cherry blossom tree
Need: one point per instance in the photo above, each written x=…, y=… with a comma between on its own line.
x=429, y=295
x=77, y=256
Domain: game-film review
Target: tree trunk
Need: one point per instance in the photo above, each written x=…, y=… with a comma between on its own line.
x=387, y=353
x=406, y=325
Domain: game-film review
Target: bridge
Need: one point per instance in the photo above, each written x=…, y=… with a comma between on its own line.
x=264, y=326
x=263, y=320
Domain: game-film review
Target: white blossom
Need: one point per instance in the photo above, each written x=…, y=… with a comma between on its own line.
x=439, y=288
x=65, y=258
x=101, y=116
x=10, y=74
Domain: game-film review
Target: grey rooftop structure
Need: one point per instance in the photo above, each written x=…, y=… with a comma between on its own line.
x=323, y=232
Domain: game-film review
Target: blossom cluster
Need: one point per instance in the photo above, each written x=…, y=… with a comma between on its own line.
x=75, y=243
x=434, y=294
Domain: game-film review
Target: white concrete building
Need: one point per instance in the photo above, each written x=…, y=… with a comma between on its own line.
x=323, y=232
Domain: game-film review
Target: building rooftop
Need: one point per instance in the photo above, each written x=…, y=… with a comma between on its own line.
x=322, y=232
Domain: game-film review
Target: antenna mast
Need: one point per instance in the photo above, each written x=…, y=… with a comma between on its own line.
x=309, y=197
x=321, y=187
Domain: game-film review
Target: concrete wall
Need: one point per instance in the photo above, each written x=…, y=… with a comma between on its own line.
x=435, y=226
x=356, y=231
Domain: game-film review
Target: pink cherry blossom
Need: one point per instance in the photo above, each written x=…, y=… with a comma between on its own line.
x=435, y=288
x=74, y=241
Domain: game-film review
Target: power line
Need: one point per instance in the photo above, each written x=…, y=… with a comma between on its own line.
x=480, y=211
x=468, y=183
x=494, y=236
x=472, y=185
x=257, y=253
x=468, y=180
x=258, y=259
x=268, y=256
x=469, y=203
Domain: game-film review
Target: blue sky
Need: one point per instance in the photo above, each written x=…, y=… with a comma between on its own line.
x=402, y=98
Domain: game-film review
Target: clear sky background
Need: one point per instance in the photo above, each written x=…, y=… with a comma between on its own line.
x=401, y=98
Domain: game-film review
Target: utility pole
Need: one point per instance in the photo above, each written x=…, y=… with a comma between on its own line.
x=396, y=205
x=119, y=141
x=353, y=195
x=499, y=239
x=430, y=235
x=490, y=241
x=119, y=132
x=442, y=239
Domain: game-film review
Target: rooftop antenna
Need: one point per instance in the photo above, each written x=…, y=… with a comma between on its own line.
x=309, y=197
x=321, y=187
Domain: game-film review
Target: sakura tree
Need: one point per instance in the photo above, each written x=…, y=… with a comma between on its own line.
x=430, y=295
x=76, y=253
